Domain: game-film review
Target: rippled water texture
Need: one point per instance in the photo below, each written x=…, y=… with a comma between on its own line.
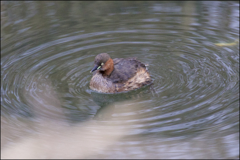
x=191, y=110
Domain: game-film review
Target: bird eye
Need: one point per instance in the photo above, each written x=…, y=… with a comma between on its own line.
x=102, y=64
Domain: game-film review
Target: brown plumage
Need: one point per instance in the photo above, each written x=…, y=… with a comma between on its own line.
x=119, y=74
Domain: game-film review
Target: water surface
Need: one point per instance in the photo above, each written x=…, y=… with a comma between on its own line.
x=191, y=110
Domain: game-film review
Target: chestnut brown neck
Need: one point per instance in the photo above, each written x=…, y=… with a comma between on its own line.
x=108, y=67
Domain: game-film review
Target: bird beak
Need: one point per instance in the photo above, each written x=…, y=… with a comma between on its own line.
x=94, y=68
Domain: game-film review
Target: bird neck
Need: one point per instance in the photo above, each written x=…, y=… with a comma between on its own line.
x=108, y=67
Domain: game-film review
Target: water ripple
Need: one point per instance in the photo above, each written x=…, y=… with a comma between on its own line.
x=196, y=83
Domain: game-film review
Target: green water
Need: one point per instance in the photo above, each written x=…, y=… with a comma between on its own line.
x=190, y=111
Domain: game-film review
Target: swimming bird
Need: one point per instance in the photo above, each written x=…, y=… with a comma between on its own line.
x=118, y=75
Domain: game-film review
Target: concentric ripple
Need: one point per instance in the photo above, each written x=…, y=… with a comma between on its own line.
x=196, y=82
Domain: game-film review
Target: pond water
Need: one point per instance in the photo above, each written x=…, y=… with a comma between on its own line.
x=190, y=111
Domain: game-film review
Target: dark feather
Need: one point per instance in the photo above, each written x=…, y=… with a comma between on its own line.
x=124, y=69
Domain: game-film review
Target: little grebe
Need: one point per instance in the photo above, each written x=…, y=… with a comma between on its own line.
x=117, y=75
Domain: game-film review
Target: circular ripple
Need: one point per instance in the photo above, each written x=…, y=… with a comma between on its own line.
x=196, y=83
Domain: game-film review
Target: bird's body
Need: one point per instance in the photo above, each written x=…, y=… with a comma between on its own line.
x=119, y=74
